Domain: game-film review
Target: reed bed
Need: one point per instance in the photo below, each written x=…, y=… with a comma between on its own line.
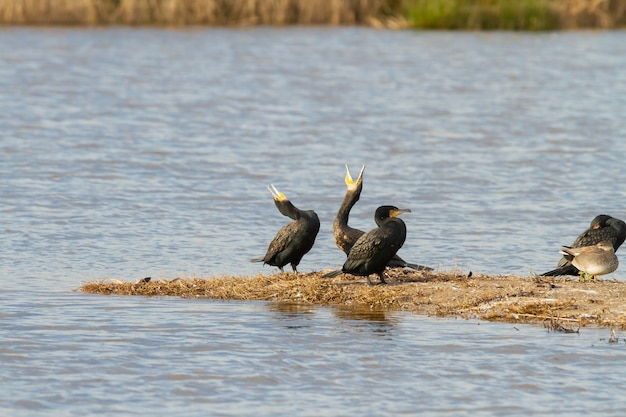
x=427, y=14
x=194, y=12
x=562, y=303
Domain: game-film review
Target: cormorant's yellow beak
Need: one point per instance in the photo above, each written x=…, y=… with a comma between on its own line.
x=278, y=196
x=349, y=181
x=396, y=213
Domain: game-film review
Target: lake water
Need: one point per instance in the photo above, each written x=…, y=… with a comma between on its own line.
x=128, y=153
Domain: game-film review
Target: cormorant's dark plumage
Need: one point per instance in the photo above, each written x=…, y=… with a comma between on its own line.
x=346, y=236
x=294, y=239
x=371, y=253
x=602, y=228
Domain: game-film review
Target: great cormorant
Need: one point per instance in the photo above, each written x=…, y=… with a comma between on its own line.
x=602, y=227
x=371, y=253
x=599, y=259
x=346, y=236
x=294, y=239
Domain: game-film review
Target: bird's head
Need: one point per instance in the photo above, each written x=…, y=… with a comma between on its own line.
x=384, y=212
x=605, y=245
x=600, y=221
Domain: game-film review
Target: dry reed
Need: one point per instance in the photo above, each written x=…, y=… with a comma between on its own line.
x=191, y=12
x=495, y=298
x=591, y=13
x=441, y=14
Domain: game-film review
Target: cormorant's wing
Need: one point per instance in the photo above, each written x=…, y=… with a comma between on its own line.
x=375, y=246
x=282, y=240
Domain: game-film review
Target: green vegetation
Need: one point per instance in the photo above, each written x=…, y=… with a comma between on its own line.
x=483, y=14
x=515, y=14
x=423, y=14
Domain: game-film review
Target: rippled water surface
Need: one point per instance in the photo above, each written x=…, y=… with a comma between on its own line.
x=137, y=152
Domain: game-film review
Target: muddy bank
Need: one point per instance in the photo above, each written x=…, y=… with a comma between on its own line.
x=562, y=302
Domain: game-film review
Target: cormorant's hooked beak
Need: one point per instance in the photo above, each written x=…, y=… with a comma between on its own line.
x=278, y=196
x=396, y=213
x=350, y=182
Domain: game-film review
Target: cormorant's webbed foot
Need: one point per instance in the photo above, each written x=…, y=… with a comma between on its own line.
x=381, y=282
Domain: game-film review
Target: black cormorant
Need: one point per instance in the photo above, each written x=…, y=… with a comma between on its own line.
x=602, y=227
x=346, y=236
x=371, y=253
x=294, y=239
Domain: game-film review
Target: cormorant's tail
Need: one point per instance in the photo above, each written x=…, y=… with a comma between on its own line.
x=333, y=274
x=418, y=267
x=564, y=270
x=398, y=262
x=256, y=260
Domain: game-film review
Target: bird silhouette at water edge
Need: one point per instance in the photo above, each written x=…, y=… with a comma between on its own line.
x=346, y=236
x=602, y=228
x=599, y=259
x=371, y=253
x=293, y=240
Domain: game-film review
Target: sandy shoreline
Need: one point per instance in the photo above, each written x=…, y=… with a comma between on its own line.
x=562, y=303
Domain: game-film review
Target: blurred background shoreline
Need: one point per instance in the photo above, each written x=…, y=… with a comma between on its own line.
x=532, y=15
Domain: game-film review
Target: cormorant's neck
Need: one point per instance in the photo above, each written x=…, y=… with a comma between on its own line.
x=287, y=209
x=344, y=210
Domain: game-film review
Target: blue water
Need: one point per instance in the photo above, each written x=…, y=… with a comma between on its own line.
x=141, y=152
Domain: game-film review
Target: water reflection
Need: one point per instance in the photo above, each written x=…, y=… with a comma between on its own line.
x=292, y=315
x=300, y=315
x=289, y=309
x=362, y=313
x=378, y=322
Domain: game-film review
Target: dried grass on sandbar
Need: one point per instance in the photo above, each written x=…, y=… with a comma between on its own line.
x=563, y=302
